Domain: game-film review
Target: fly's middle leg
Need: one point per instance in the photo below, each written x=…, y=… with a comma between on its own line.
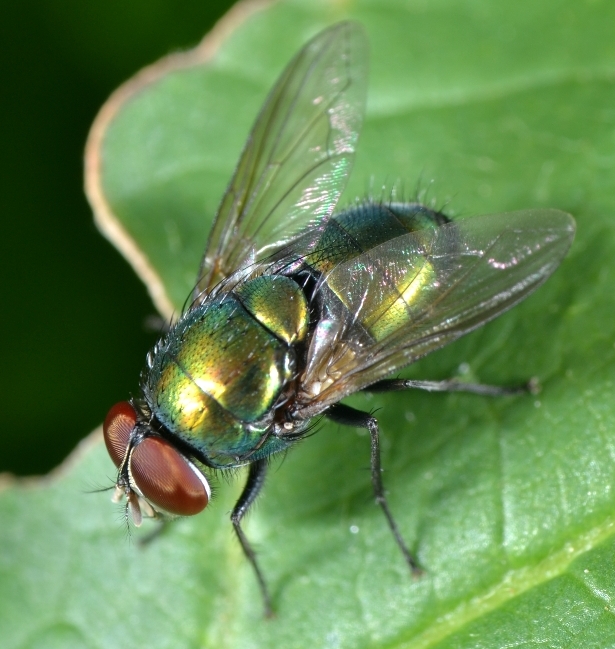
x=453, y=385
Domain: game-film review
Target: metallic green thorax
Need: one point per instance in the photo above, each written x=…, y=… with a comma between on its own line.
x=278, y=304
x=217, y=375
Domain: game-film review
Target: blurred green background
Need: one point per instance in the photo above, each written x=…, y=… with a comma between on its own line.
x=72, y=331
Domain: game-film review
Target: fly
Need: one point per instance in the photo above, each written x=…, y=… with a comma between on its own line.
x=297, y=306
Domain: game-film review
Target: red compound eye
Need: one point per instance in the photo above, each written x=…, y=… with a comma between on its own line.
x=167, y=479
x=118, y=425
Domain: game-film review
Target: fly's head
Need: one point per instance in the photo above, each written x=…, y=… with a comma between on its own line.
x=153, y=475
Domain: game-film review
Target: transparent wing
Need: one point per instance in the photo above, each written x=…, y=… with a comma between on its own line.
x=417, y=292
x=298, y=155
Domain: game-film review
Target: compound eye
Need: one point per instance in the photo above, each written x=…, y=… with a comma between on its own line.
x=167, y=479
x=118, y=425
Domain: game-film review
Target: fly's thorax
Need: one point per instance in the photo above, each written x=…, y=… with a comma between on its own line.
x=329, y=360
x=215, y=379
x=279, y=304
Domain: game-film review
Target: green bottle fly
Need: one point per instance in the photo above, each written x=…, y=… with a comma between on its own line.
x=297, y=307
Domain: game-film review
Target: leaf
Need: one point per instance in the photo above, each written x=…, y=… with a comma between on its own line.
x=509, y=503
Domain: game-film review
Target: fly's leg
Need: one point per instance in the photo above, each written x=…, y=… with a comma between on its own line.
x=453, y=385
x=162, y=526
x=254, y=484
x=348, y=416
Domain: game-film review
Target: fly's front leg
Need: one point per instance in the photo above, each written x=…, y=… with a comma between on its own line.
x=351, y=417
x=453, y=385
x=254, y=484
x=162, y=526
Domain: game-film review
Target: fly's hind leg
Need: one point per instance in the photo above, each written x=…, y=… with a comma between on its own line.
x=162, y=526
x=254, y=484
x=453, y=385
x=348, y=416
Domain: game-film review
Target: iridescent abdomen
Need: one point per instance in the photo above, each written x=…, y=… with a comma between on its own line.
x=362, y=229
x=218, y=373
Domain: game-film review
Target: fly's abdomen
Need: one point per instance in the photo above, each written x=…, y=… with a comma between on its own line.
x=216, y=378
x=362, y=229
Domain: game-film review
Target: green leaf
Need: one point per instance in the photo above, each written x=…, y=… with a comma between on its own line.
x=509, y=503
